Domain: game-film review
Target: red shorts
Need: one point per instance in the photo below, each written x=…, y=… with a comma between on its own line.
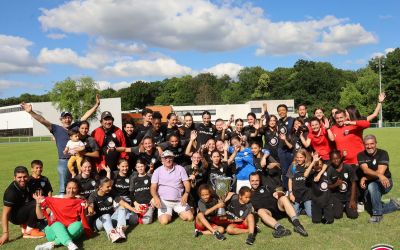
x=240, y=225
x=214, y=221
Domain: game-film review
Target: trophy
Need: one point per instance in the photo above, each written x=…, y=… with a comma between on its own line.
x=221, y=185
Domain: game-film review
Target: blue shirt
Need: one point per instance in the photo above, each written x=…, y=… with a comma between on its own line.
x=244, y=163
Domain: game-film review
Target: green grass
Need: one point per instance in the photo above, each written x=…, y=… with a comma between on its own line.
x=343, y=234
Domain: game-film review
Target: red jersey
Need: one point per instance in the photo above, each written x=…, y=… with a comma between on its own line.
x=66, y=211
x=320, y=143
x=348, y=138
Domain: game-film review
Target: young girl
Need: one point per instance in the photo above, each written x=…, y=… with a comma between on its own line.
x=216, y=165
x=207, y=221
x=140, y=193
x=240, y=215
x=121, y=180
x=299, y=191
x=101, y=204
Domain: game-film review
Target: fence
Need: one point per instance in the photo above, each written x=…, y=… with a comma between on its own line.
x=25, y=139
x=386, y=125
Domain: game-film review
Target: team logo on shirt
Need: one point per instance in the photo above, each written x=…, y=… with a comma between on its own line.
x=42, y=183
x=161, y=134
x=297, y=146
x=374, y=162
x=283, y=130
x=210, y=129
x=262, y=191
x=241, y=213
x=153, y=160
x=221, y=169
x=93, y=183
x=114, y=135
x=324, y=186
x=346, y=132
x=127, y=180
x=325, y=174
x=273, y=141
x=134, y=141
x=109, y=199
x=246, y=153
x=146, y=181
x=85, y=143
x=346, y=175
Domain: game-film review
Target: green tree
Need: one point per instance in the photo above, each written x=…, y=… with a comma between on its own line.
x=363, y=93
x=138, y=95
x=261, y=91
x=76, y=96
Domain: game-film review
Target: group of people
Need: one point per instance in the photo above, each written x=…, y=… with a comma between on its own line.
x=277, y=167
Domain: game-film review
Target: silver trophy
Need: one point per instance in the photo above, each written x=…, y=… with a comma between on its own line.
x=221, y=185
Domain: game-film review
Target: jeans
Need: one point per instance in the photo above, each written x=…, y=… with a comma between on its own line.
x=373, y=197
x=63, y=174
x=285, y=159
x=121, y=215
x=307, y=207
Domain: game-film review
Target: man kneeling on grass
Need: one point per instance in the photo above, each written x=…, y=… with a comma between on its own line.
x=19, y=207
x=271, y=205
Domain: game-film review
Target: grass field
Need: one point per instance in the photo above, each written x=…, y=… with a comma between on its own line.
x=343, y=234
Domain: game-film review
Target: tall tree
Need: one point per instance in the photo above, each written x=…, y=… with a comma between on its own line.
x=76, y=96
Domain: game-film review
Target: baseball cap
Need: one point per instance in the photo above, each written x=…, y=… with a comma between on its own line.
x=167, y=153
x=65, y=113
x=106, y=114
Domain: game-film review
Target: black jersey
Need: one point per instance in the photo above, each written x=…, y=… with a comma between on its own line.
x=86, y=185
x=263, y=197
x=140, y=189
x=158, y=136
x=42, y=183
x=320, y=193
x=103, y=204
x=271, y=142
x=203, y=206
x=348, y=175
x=121, y=184
x=381, y=157
x=167, y=132
x=140, y=132
x=284, y=127
x=179, y=152
x=150, y=159
x=204, y=133
x=300, y=185
x=16, y=197
x=236, y=210
x=248, y=130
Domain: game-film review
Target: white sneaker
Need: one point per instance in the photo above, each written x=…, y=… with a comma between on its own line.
x=114, y=236
x=360, y=207
x=72, y=246
x=121, y=232
x=46, y=246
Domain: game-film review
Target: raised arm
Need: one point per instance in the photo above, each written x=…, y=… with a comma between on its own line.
x=92, y=110
x=28, y=108
x=381, y=98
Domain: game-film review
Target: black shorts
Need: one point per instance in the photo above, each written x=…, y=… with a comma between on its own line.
x=276, y=213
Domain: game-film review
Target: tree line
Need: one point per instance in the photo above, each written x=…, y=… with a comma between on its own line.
x=316, y=84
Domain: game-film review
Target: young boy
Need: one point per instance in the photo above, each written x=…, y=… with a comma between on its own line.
x=74, y=146
x=38, y=182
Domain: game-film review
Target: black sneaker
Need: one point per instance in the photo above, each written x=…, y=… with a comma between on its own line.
x=219, y=236
x=257, y=229
x=250, y=239
x=281, y=232
x=197, y=233
x=300, y=229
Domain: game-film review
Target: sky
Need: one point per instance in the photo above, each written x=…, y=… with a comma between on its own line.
x=117, y=42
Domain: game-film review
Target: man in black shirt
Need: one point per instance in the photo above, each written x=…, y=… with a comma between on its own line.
x=19, y=207
x=270, y=204
x=376, y=179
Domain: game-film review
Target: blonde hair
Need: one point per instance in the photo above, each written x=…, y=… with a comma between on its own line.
x=306, y=155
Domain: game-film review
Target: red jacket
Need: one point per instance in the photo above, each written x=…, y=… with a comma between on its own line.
x=98, y=134
x=66, y=211
x=348, y=138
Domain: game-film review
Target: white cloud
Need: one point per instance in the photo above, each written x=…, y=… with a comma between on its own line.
x=65, y=56
x=205, y=26
x=380, y=54
x=56, y=36
x=117, y=86
x=15, y=56
x=230, y=69
x=9, y=84
x=164, y=67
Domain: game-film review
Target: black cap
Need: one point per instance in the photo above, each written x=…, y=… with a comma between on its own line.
x=65, y=113
x=106, y=114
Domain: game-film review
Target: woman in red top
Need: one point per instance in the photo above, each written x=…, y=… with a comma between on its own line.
x=67, y=221
x=318, y=137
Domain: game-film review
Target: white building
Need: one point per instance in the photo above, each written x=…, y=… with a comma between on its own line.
x=13, y=118
x=239, y=110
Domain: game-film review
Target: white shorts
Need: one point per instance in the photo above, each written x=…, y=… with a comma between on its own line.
x=168, y=206
x=241, y=183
